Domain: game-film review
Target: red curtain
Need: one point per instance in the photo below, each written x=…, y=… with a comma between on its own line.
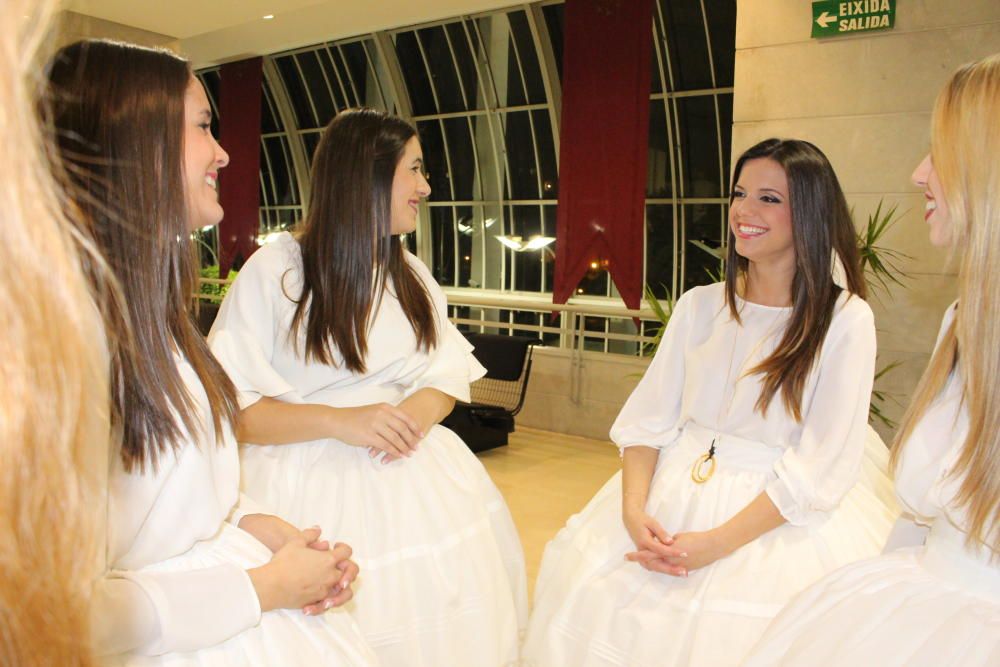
x=603, y=144
x=239, y=133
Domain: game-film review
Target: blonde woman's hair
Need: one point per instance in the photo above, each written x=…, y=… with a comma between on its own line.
x=965, y=151
x=53, y=381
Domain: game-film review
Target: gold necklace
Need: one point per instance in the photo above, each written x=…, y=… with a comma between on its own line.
x=699, y=473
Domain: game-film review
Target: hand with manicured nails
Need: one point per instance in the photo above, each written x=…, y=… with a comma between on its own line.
x=381, y=427
x=342, y=592
x=697, y=550
x=656, y=548
x=302, y=576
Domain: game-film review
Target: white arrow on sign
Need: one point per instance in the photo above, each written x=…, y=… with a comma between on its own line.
x=826, y=19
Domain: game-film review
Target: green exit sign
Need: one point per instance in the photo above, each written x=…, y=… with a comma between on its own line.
x=832, y=18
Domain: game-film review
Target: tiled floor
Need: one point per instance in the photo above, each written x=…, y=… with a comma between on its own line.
x=546, y=477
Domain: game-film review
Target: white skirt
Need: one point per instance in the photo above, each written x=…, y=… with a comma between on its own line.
x=442, y=580
x=595, y=609
x=934, y=606
x=283, y=636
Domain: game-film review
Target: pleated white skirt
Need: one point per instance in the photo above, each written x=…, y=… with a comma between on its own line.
x=594, y=609
x=935, y=606
x=442, y=580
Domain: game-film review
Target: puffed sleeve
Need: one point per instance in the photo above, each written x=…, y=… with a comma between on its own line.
x=151, y=613
x=451, y=365
x=245, y=332
x=814, y=474
x=650, y=415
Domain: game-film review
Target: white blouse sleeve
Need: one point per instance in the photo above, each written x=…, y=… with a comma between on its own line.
x=814, y=474
x=151, y=613
x=650, y=415
x=451, y=365
x=245, y=505
x=245, y=331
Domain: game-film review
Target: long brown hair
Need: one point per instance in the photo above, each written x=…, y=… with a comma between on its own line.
x=54, y=431
x=821, y=225
x=965, y=151
x=118, y=112
x=348, y=252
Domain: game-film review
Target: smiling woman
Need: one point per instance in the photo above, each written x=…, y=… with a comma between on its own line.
x=760, y=216
x=341, y=348
x=731, y=501
x=195, y=575
x=938, y=601
x=409, y=186
x=203, y=157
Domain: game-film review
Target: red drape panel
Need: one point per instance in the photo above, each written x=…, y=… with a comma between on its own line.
x=239, y=133
x=603, y=143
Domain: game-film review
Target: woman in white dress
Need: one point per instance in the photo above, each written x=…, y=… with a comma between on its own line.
x=345, y=360
x=936, y=603
x=183, y=585
x=742, y=446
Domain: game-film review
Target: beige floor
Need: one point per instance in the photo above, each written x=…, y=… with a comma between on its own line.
x=546, y=477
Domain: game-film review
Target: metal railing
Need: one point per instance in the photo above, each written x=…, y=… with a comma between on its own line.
x=484, y=314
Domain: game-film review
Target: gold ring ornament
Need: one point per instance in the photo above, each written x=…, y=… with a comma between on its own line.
x=698, y=472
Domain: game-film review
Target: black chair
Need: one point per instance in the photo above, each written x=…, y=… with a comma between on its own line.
x=486, y=422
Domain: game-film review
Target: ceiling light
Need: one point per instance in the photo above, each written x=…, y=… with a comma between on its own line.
x=510, y=242
x=517, y=245
x=538, y=242
x=268, y=17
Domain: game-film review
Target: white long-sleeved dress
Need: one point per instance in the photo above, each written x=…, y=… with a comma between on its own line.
x=442, y=571
x=593, y=608
x=178, y=592
x=933, y=605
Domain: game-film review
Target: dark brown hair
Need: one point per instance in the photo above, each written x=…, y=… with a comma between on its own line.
x=821, y=225
x=348, y=252
x=118, y=114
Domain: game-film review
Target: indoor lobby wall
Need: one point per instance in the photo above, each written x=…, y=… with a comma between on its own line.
x=578, y=394
x=865, y=100
x=74, y=26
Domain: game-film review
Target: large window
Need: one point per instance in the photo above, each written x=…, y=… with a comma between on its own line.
x=324, y=80
x=483, y=91
x=479, y=102
x=691, y=118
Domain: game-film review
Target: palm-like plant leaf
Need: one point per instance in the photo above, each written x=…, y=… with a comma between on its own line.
x=880, y=263
x=663, y=311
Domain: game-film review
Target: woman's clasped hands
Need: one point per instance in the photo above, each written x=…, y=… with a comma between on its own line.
x=659, y=551
x=305, y=572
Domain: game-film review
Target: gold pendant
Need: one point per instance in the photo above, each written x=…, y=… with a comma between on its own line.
x=698, y=472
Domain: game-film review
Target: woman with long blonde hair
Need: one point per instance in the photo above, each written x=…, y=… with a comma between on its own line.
x=53, y=382
x=937, y=603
